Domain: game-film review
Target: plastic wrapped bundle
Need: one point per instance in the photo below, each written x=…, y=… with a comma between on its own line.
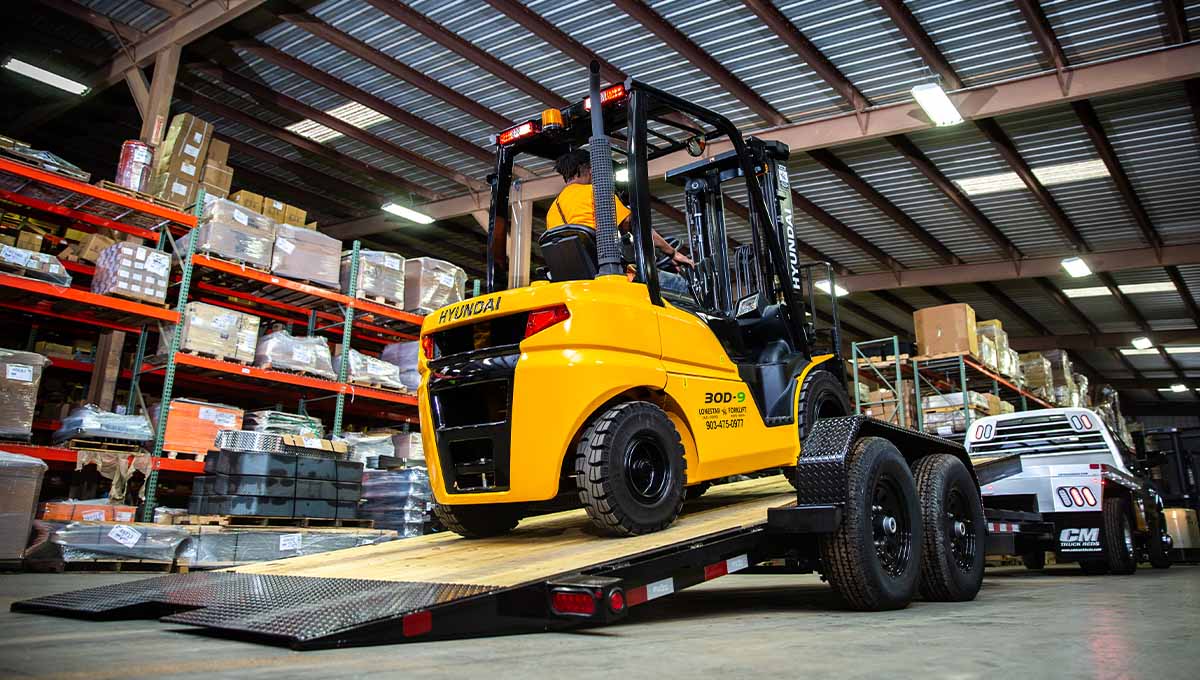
x=368, y=370
x=280, y=423
x=306, y=254
x=404, y=355
x=133, y=272
x=364, y=445
x=408, y=446
x=380, y=275
x=20, y=484
x=398, y=499
x=227, y=212
x=81, y=541
x=233, y=241
x=213, y=547
x=20, y=375
x=306, y=354
x=93, y=423
x=431, y=284
x=34, y=265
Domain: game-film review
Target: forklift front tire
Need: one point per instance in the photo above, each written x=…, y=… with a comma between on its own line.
x=480, y=521
x=630, y=470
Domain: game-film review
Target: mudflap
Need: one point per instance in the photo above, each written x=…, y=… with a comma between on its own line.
x=1078, y=535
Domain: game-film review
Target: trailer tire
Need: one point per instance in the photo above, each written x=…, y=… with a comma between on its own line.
x=1034, y=561
x=480, y=521
x=630, y=470
x=952, y=555
x=881, y=505
x=821, y=396
x=1119, y=550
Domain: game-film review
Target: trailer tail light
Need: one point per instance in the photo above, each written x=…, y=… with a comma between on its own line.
x=541, y=319
x=609, y=94
x=427, y=346
x=1076, y=496
x=574, y=602
x=983, y=432
x=526, y=129
x=1089, y=496
x=1082, y=422
x=616, y=601
x=416, y=624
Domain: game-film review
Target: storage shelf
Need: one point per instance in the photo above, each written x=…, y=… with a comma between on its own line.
x=57, y=454
x=55, y=194
x=41, y=297
x=943, y=373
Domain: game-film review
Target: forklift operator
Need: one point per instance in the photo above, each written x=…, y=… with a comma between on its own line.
x=574, y=206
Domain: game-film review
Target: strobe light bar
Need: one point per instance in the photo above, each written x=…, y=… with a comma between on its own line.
x=526, y=129
x=608, y=95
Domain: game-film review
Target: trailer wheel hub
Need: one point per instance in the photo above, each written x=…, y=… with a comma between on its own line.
x=960, y=529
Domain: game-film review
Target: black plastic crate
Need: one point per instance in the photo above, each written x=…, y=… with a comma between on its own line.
x=202, y=485
x=310, y=467
x=316, y=489
x=198, y=504
x=250, y=463
x=316, y=509
x=349, y=471
x=348, y=491
x=253, y=485
x=347, y=509
x=250, y=505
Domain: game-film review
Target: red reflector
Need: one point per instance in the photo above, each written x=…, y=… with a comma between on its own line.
x=616, y=600
x=541, y=319
x=636, y=596
x=417, y=624
x=1094, y=466
x=427, y=346
x=608, y=94
x=714, y=570
x=572, y=602
x=1076, y=496
x=521, y=131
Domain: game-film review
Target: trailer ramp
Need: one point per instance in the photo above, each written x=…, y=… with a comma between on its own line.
x=443, y=586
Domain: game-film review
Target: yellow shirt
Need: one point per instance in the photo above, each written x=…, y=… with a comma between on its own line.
x=575, y=200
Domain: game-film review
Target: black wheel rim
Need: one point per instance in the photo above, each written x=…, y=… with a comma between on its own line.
x=891, y=525
x=960, y=528
x=647, y=470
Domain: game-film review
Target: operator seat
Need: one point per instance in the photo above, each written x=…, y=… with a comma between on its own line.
x=570, y=252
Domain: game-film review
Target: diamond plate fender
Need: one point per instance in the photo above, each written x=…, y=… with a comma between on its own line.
x=821, y=466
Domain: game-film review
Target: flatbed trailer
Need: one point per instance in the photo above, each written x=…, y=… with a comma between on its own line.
x=552, y=573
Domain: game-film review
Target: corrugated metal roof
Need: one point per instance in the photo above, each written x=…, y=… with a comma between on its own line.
x=984, y=40
x=1099, y=29
x=137, y=14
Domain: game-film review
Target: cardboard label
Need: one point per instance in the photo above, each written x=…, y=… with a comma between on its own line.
x=126, y=536
x=392, y=263
x=224, y=321
x=158, y=264
x=16, y=256
x=312, y=443
x=187, y=169
x=142, y=155
x=241, y=218
x=93, y=515
x=123, y=516
x=177, y=188
x=19, y=373
x=193, y=151
x=446, y=280
x=285, y=245
x=291, y=541
x=303, y=354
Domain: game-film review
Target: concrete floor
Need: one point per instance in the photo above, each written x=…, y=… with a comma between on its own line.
x=1024, y=625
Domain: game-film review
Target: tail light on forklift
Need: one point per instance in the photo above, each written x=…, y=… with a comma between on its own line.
x=521, y=131
x=541, y=319
x=609, y=94
x=427, y=346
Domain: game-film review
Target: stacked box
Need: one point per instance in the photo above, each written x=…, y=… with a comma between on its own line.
x=29, y=241
x=248, y=199
x=987, y=353
x=883, y=406
x=86, y=511
x=380, y=274
x=948, y=329
x=20, y=484
x=949, y=423
x=34, y=265
x=20, y=375
x=216, y=178
x=91, y=246
x=192, y=426
x=277, y=485
x=217, y=332
x=54, y=350
x=1062, y=375
x=303, y=254
x=234, y=241
x=955, y=400
x=1082, y=389
x=282, y=350
x=179, y=160
x=398, y=499
x=1014, y=366
x=1039, y=379
x=367, y=369
x=275, y=210
x=404, y=355
x=295, y=216
x=430, y=284
x=134, y=272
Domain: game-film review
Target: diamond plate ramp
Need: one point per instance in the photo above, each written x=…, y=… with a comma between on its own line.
x=298, y=611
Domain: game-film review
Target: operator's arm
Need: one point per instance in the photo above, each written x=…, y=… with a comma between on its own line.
x=659, y=242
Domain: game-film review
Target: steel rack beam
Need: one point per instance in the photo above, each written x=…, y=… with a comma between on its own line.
x=74, y=298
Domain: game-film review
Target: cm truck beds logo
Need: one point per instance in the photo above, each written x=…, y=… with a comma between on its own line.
x=1079, y=539
x=468, y=310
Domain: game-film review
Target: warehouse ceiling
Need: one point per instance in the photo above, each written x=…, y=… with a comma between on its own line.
x=911, y=216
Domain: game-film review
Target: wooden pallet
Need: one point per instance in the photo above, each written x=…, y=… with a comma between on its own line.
x=185, y=455
x=235, y=263
x=107, y=445
x=261, y=521
x=118, y=293
x=271, y=367
x=381, y=300
x=138, y=195
x=107, y=565
x=378, y=386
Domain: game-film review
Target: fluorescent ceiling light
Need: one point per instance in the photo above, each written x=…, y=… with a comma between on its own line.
x=1178, y=349
x=1179, y=387
x=1142, y=342
x=936, y=104
x=621, y=175
x=1128, y=289
x=823, y=286
x=407, y=213
x=1076, y=267
x=42, y=75
x=1048, y=175
x=351, y=112
x=1090, y=291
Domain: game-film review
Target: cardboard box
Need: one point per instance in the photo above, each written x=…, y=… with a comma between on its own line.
x=311, y=225
x=192, y=426
x=35, y=265
x=219, y=176
x=179, y=190
x=7, y=240
x=951, y=422
x=248, y=199
x=339, y=447
x=954, y=400
x=274, y=210
x=90, y=247
x=183, y=149
x=987, y=353
x=888, y=411
x=380, y=275
x=235, y=242
x=54, y=349
x=29, y=241
x=75, y=235
x=1035, y=370
x=995, y=407
x=62, y=511
x=303, y=254
x=947, y=329
x=216, y=332
x=20, y=375
x=218, y=152
x=295, y=216
x=133, y=272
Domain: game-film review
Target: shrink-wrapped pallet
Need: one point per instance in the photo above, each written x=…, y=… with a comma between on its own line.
x=430, y=284
x=133, y=272
x=92, y=422
x=404, y=355
x=380, y=275
x=306, y=254
x=368, y=370
x=304, y=354
x=20, y=484
x=215, y=331
x=34, y=265
x=20, y=375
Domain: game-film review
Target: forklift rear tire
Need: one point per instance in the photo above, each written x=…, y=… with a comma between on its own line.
x=1120, y=548
x=821, y=396
x=630, y=470
x=873, y=560
x=480, y=521
x=952, y=555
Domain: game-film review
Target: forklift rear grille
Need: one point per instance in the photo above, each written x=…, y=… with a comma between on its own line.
x=1040, y=434
x=500, y=331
